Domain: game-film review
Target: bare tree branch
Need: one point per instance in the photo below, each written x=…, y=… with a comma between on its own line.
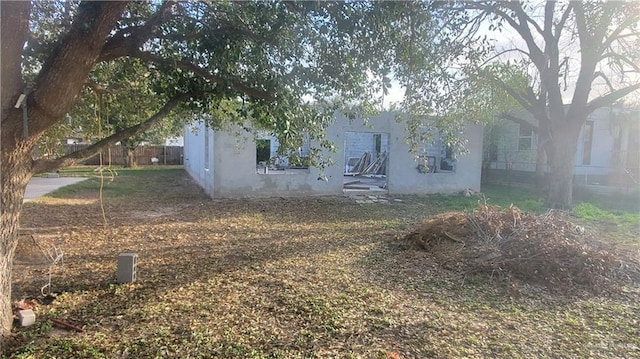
x=522, y=28
x=588, y=58
x=606, y=13
x=563, y=20
x=549, y=8
x=616, y=34
x=624, y=59
x=500, y=53
x=601, y=75
x=611, y=97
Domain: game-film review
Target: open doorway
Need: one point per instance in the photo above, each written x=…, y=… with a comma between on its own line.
x=366, y=161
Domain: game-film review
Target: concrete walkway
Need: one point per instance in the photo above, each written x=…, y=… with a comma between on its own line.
x=39, y=186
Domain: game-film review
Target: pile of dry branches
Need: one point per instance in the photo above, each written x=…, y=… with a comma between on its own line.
x=544, y=249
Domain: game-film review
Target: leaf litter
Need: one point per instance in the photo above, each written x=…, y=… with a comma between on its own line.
x=545, y=249
x=312, y=277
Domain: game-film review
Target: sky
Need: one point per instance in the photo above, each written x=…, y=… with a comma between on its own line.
x=509, y=39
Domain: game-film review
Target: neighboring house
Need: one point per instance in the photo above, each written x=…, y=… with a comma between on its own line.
x=234, y=164
x=608, y=152
x=174, y=141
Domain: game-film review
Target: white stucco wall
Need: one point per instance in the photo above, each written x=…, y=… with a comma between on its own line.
x=357, y=143
x=235, y=173
x=231, y=171
x=196, y=162
x=601, y=146
x=402, y=174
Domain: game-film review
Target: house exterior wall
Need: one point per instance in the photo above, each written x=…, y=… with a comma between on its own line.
x=197, y=141
x=609, y=149
x=232, y=168
x=602, y=143
x=235, y=173
x=508, y=153
x=402, y=174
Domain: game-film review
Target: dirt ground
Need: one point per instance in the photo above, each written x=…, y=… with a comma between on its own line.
x=283, y=278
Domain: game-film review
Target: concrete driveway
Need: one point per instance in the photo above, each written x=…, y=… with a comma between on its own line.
x=39, y=186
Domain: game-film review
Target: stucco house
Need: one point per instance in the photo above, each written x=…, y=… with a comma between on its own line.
x=236, y=164
x=608, y=152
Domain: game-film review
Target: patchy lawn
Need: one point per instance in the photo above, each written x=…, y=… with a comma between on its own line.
x=287, y=278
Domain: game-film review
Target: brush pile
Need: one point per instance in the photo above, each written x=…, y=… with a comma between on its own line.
x=544, y=249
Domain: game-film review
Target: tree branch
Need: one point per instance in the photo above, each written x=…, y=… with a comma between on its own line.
x=588, y=58
x=605, y=78
x=563, y=20
x=606, y=13
x=616, y=33
x=131, y=38
x=622, y=59
x=611, y=97
x=526, y=101
x=500, y=53
x=45, y=165
x=537, y=55
x=63, y=73
x=518, y=120
x=197, y=70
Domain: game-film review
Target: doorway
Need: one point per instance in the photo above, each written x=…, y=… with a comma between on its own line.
x=366, y=161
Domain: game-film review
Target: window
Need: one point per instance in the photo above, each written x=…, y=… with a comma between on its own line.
x=587, y=141
x=271, y=159
x=263, y=151
x=493, y=152
x=525, y=138
x=447, y=158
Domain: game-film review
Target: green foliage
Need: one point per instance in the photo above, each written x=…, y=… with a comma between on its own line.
x=595, y=212
x=500, y=196
x=283, y=68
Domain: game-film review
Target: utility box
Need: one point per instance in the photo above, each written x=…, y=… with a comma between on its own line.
x=127, y=267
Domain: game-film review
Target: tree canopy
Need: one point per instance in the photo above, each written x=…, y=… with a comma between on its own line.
x=570, y=58
x=283, y=66
x=280, y=66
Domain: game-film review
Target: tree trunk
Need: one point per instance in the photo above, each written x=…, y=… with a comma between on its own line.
x=15, y=160
x=15, y=172
x=561, y=154
x=129, y=157
x=541, y=180
x=52, y=95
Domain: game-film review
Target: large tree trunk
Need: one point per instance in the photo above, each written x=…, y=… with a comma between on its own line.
x=15, y=174
x=541, y=179
x=561, y=153
x=15, y=162
x=53, y=94
x=129, y=157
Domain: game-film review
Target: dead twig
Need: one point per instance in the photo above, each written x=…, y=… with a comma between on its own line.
x=65, y=325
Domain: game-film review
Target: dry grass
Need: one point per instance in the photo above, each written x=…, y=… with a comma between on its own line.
x=527, y=248
x=286, y=278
